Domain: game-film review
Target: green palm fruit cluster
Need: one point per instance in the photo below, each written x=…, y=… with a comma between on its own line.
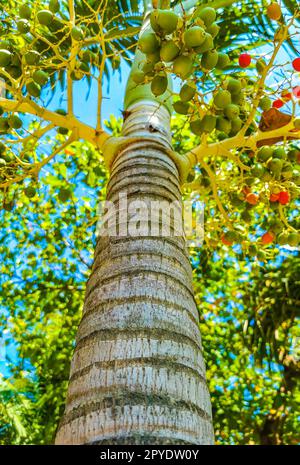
x=179, y=46
x=273, y=176
x=33, y=62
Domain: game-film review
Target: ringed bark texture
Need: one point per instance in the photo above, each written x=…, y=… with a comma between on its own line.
x=137, y=374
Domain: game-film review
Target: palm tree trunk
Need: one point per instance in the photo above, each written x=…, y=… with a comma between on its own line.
x=137, y=374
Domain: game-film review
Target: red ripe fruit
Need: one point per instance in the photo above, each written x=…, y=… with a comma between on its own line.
x=225, y=241
x=296, y=64
x=286, y=95
x=274, y=11
x=274, y=197
x=278, y=103
x=252, y=198
x=246, y=190
x=283, y=197
x=268, y=238
x=296, y=91
x=244, y=60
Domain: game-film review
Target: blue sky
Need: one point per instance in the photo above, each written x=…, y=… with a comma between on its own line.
x=86, y=99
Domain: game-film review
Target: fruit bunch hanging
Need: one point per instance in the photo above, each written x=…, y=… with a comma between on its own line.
x=265, y=179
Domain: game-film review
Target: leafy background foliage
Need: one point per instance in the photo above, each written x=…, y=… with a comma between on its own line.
x=46, y=252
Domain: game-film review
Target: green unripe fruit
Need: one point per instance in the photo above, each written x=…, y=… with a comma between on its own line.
x=223, y=61
x=275, y=165
x=287, y=170
x=167, y=21
x=148, y=42
x=45, y=17
x=234, y=86
x=231, y=111
x=194, y=37
x=208, y=15
x=293, y=239
x=30, y=192
x=183, y=108
x=187, y=92
x=222, y=99
x=260, y=65
x=236, y=124
x=159, y=84
x=183, y=66
x=8, y=157
x=63, y=131
x=15, y=60
x=24, y=12
x=153, y=20
x=267, y=177
x=5, y=45
x=32, y=57
x=264, y=153
x=213, y=30
x=276, y=226
x=153, y=57
x=61, y=111
x=238, y=98
x=223, y=125
x=15, y=122
x=207, y=45
x=5, y=57
x=292, y=154
x=138, y=76
x=148, y=69
x=257, y=170
x=236, y=200
x=33, y=89
x=208, y=123
x=265, y=103
x=64, y=194
x=282, y=239
x=40, y=77
x=280, y=152
x=77, y=33
x=246, y=216
x=54, y=6
x=297, y=123
x=196, y=126
x=169, y=51
x=23, y=26
x=4, y=126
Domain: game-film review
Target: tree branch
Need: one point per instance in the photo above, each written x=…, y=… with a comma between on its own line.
x=38, y=166
x=239, y=141
x=72, y=60
x=83, y=131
